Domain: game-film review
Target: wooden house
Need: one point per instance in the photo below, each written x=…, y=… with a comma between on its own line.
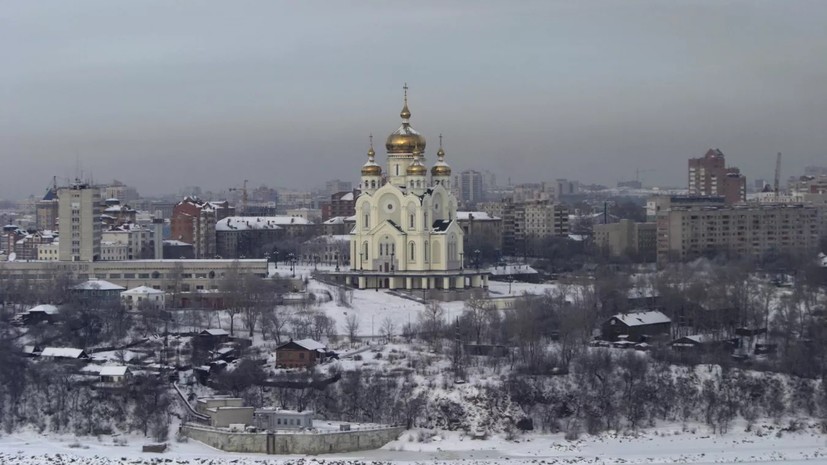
x=636, y=326
x=300, y=354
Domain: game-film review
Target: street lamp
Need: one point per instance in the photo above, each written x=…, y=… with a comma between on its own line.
x=477, y=258
x=292, y=259
x=276, y=257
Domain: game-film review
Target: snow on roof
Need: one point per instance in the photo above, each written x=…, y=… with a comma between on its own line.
x=45, y=308
x=512, y=269
x=142, y=290
x=310, y=344
x=348, y=196
x=642, y=318
x=215, y=332
x=329, y=239
x=336, y=220
x=98, y=285
x=244, y=223
x=477, y=216
x=174, y=242
x=113, y=371
x=823, y=259
x=61, y=352
x=577, y=237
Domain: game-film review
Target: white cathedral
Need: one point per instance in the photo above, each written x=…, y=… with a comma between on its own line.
x=406, y=234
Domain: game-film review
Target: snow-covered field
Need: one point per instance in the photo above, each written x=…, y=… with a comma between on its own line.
x=666, y=445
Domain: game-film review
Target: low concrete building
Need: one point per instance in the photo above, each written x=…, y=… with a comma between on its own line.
x=98, y=290
x=225, y=411
x=276, y=419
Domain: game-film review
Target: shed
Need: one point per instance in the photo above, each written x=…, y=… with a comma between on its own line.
x=637, y=326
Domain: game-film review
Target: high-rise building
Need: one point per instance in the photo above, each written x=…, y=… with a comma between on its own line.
x=79, y=214
x=470, y=188
x=708, y=175
x=626, y=237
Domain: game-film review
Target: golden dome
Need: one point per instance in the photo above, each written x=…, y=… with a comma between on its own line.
x=416, y=169
x=440, y=167
x=371, y=169
x=405, y=139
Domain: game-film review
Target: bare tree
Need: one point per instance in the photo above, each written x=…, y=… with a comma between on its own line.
x=352, y=326
x=432, y=320
x=388, y=328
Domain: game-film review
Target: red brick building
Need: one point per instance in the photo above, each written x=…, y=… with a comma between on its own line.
x=709, y=176
x=193, y=221
x=340, y=204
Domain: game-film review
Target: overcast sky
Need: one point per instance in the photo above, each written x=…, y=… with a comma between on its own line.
x=165, y=94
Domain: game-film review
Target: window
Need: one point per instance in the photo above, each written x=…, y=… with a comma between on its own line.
x=411, y=221
x=412, y=255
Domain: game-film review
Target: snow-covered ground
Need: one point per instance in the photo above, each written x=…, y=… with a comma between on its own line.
x=666, y=445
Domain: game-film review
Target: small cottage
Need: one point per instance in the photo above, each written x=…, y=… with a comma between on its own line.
x=115, y=374
x=636, y=326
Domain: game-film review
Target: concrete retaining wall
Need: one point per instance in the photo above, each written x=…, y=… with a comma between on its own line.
x=293, y=443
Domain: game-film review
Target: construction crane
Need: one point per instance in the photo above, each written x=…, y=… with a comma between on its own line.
x=244, y=197
x=777, y=187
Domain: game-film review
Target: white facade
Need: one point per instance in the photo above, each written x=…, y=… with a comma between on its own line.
x=406, y=221
x=133, y=298
x=48, y=251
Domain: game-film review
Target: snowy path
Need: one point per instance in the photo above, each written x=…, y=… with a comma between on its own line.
x=668, y=447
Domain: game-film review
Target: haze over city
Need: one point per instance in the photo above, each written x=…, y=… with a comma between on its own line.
x=163, y=94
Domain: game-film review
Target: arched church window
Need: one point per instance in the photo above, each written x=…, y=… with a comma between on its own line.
x=427, y=252
x=365, y=249
x=367, y=220
x=412, y=254
x=411, y=221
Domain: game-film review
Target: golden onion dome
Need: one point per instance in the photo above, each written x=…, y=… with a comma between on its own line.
x=416, y=169
x=371, y=169
x=405, y=139
x=441, y=169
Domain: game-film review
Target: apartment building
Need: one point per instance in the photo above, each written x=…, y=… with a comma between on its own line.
x=626, y=237
x=79, y=215
x=685, y=233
